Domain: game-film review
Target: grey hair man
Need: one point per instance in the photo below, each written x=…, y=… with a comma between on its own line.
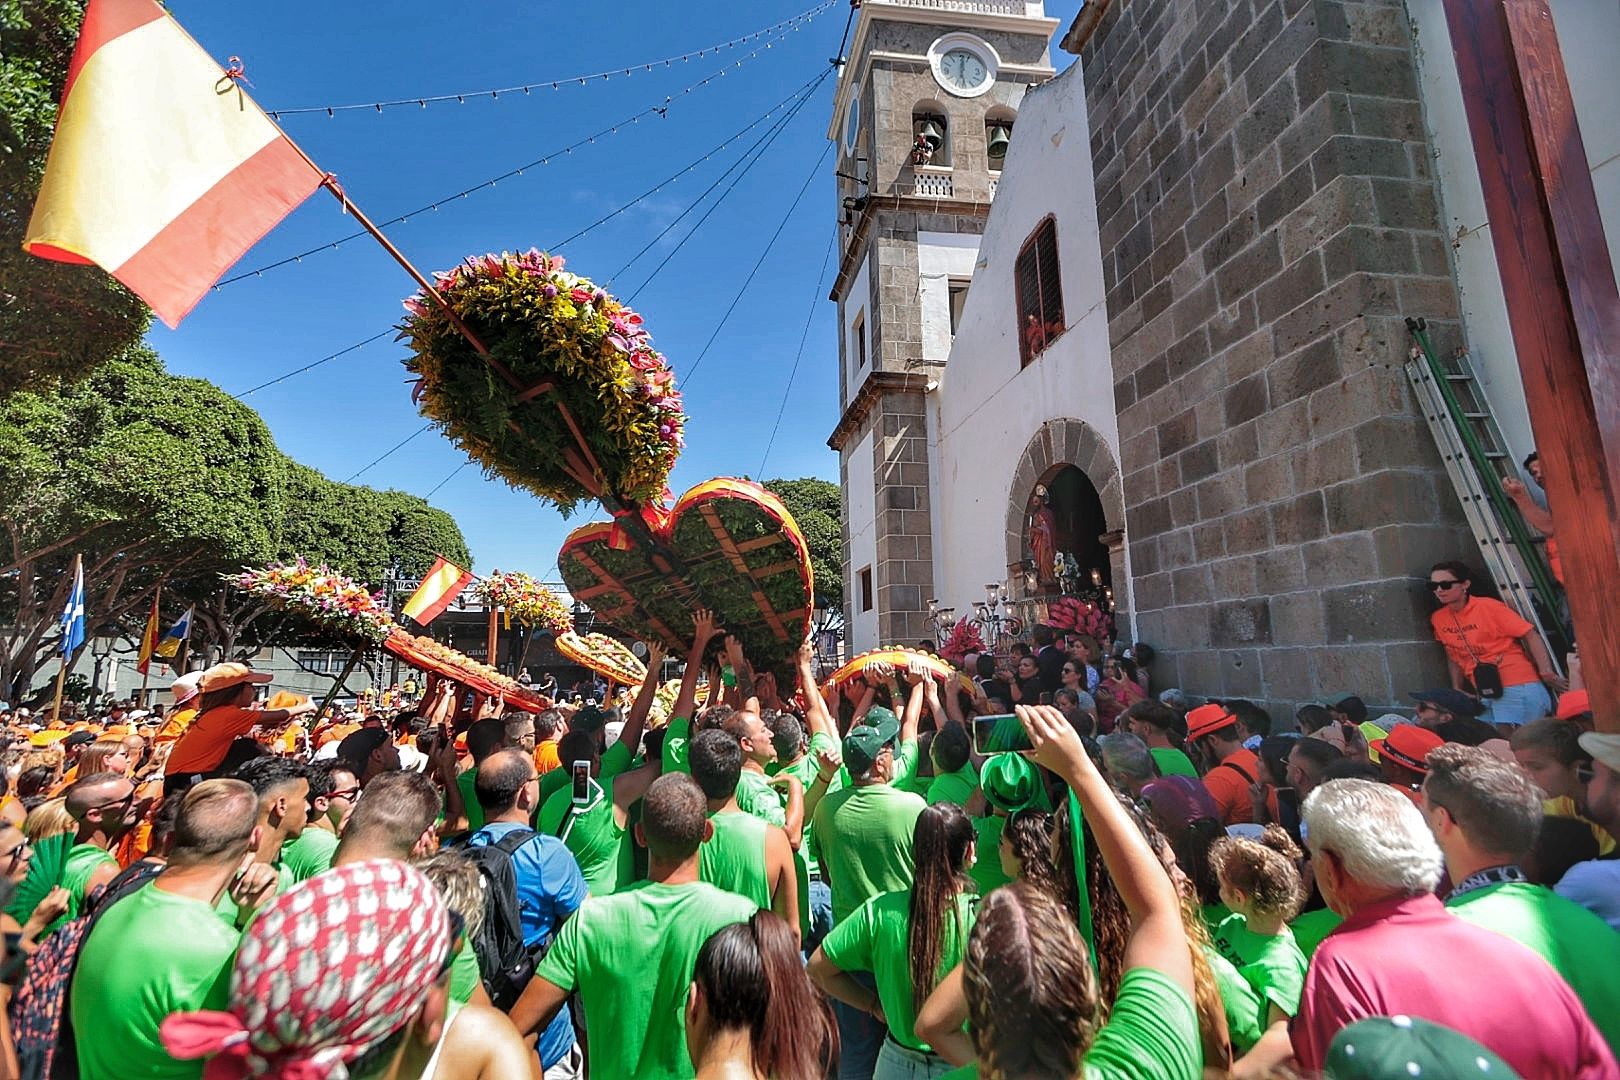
x=1400, y=952
x=1128, y=762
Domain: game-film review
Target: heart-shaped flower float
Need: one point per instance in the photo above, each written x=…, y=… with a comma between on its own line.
x=545, y=380
x=728, y=545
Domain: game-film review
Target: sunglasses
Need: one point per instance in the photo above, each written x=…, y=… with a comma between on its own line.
x=349, y=793
x=1440, y=586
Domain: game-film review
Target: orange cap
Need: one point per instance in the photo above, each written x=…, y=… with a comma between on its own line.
x=1208, y=718
x=1573, y=704
x=223, y=676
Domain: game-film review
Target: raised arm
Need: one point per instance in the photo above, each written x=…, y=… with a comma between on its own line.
x=1158, y=938
x=741, y=670
x=816, y=716
x=703, y=630
x=636, y=722
x=1529, y=509
x=916, y=693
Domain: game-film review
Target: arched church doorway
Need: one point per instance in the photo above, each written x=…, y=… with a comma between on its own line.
x=1062, y=534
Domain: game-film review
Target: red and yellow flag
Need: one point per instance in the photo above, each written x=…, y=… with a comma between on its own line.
x=440, y=586
x=149, y=640
x=162, y=171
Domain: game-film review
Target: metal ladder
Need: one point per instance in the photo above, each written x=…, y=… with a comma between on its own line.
x=1476, y=459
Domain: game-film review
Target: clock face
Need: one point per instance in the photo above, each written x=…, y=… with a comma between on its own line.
x=962, y=70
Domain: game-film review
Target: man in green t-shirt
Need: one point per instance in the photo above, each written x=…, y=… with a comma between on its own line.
x=744, y=855
x=1152, y=721
x=1485, y=814
x=333, y=789
x=630, y=955
x=282, y=786
x=105, y=807
x=484, y=737
x=163, y=949
x=595, y=831
x=955, y=778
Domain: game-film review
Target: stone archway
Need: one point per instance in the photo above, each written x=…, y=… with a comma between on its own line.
x=1060, y=444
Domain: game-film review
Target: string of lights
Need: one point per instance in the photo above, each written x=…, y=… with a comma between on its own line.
x=315, y=364
x=793, y=372
x=786, y=26
x=796, y=100
x=660, y=110
x=352, y=477
x=435, y=489
x=757, y=150
x=749, y=280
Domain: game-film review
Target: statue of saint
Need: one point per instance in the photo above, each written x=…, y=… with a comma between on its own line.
x=1043, y=537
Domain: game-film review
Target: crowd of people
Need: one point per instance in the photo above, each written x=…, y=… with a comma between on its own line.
x=795, y=880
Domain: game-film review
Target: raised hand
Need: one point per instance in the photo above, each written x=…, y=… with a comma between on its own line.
x=704, y=627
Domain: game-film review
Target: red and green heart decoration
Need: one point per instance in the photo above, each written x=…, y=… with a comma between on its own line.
x=728, y=545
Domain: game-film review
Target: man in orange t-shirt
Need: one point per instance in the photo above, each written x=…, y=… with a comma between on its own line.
x=224, y=713
x=1216, y=744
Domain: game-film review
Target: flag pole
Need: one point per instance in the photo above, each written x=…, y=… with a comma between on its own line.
x=146, y=669
x=61, y=673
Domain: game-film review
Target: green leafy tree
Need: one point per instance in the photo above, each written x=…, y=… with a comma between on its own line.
x=817, y=506
x=145, y=474
x=57, y=321
x=420, y=531
x=358, y=531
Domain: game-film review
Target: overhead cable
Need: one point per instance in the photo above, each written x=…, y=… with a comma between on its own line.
x=787, y=391
x=786, y=26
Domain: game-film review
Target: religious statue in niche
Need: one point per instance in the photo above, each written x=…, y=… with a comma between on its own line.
x=1043, y=536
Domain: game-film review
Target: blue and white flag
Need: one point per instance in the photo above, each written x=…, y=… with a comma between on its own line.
x=180, y=633
x=73, y=614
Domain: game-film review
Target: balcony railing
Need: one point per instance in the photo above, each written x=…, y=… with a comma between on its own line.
x=934, y=185
x=987, y=7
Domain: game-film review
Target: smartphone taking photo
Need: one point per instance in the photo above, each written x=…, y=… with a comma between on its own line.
x=582, y=783
x=1002, y=733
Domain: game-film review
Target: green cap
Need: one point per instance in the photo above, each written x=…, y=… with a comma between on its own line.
x=1405, y=1046
x=866, y=740
x=1010, y=782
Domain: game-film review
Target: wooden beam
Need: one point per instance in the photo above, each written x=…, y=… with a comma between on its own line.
x=1562, y=303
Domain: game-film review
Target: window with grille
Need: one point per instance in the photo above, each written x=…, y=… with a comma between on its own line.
x=1040, y=291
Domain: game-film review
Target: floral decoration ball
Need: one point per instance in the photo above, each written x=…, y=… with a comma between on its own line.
x=545, y=324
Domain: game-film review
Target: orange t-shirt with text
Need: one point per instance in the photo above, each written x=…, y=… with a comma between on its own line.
x=205, y=742
x=1230, y=787
x=1488, y=631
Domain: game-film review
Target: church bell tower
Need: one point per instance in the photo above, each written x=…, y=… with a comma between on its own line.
x=926, y=105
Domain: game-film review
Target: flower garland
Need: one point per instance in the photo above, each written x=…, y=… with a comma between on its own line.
x=320, y=595
x=458, y=665
x=524, y=599
x=546, y=325
x=964, y=638
x=1073, y=615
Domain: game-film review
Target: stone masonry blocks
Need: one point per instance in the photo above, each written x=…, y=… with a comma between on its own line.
x=1267, y=219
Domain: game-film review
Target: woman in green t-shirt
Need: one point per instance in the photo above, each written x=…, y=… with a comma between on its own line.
x=906, y=940
x=1027, y=983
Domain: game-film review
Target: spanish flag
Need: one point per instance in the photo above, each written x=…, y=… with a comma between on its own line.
x=440, y=586
x=163, y=172
x=149, y=640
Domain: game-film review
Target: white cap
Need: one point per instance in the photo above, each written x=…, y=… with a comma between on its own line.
x=185, y=687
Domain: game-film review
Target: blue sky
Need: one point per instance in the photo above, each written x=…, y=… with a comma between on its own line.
x=345, y=413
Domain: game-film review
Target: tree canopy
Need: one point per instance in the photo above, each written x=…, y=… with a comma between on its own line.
x=145, y=474
x=56, y=320
x=817, y=505
x=157, y=478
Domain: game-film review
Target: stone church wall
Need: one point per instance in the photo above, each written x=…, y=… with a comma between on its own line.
x=1268, y=217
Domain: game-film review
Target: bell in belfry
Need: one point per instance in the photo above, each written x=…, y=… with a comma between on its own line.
x=930, y=131
x=1000, y=138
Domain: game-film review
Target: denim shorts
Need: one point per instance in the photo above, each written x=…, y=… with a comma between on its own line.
x=1519, y=705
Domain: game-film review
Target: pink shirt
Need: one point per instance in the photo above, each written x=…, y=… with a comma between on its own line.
x=1412, y=956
